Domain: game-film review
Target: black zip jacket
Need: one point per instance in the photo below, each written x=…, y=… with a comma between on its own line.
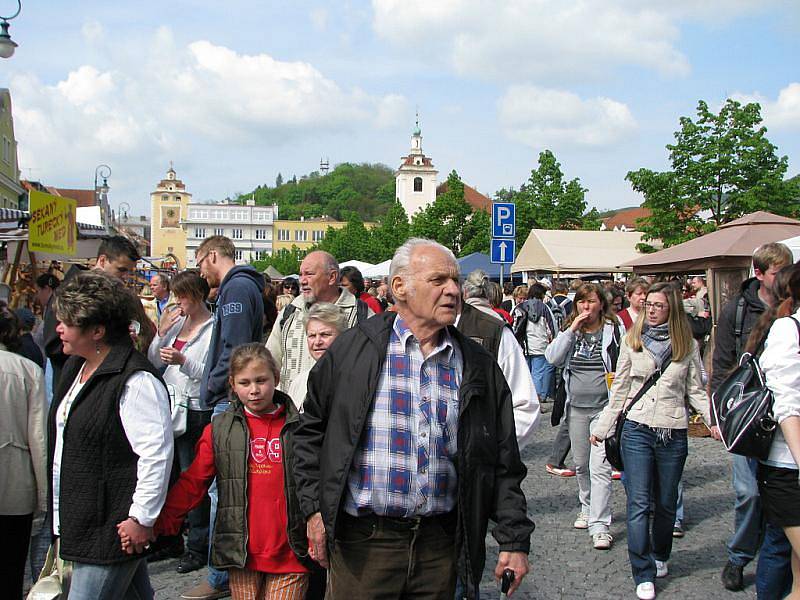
x=341, y=389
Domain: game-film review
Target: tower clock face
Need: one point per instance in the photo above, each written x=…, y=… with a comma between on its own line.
x=170, y=216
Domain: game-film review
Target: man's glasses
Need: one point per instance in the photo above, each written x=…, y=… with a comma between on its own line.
x=200, y=260
x=657, y=305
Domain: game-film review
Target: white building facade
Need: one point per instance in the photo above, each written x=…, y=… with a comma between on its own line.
x=415, y=180
x=248, y=226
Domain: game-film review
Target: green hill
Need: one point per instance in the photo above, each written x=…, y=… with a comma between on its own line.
x=366, y=190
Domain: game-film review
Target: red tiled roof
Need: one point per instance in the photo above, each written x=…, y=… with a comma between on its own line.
x=473, y=197
x=176, y=182
x=82, y=197
x=627, y=217
x=409, y=161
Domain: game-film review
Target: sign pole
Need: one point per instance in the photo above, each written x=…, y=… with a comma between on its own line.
x=501, y=275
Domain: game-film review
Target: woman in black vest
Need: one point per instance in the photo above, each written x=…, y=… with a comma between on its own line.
x=110, y=442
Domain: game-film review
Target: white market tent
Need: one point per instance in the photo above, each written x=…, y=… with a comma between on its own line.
x=379, y=270
x=569, y=251
x=358, y=264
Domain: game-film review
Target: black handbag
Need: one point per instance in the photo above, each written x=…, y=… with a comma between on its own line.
x=742, y=406
x=559, y=400
x=613, y=442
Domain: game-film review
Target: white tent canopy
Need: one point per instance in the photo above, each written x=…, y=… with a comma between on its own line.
x=568, y=251
x=379, y=270
x=358, y=264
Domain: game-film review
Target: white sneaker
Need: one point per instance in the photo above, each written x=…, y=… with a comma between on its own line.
x=646, y=590
x=602, y=540
x=661, y=569
x=582, y=522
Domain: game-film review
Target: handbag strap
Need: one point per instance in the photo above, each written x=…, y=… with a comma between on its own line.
x=649, y=382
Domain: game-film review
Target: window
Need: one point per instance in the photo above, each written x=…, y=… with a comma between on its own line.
x=262, y=234
x=6, y=150
x=417, y=184
x=318, y=235
x=300, y=235
x=199, y=214
x=177, y=198
x=283, y=235
x=164, y=198
x=217, y=214
x=200, y=232
x=261, y=254
x=237, y=255
x=236, y=234
x=219, y=231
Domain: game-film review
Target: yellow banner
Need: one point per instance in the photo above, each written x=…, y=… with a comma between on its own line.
x=53, y=226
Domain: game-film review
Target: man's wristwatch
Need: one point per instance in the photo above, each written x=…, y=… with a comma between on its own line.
x=134, y=519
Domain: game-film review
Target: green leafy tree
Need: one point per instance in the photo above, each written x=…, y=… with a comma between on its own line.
x=286, y=261
x=723, y=165
x=548, y=201
x=450, y=221
x=390, y=233
x=351, y=242
x=279, y=180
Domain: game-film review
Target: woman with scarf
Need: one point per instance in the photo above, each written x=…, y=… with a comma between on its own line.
x=654, y=437
x=587, y=352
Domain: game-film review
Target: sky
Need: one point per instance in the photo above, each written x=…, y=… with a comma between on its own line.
x=236, y=92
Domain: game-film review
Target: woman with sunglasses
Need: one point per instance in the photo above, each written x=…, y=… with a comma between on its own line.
x=291, y=286
x=654, y=437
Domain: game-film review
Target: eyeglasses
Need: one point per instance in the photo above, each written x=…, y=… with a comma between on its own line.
x=200, y=260
x=657, y=305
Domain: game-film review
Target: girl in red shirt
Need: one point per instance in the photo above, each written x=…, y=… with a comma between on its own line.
x=259, y=551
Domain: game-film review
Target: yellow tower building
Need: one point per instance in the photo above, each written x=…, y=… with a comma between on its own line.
x=169, y=206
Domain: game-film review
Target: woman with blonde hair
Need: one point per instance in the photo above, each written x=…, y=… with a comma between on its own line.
x=654, y=442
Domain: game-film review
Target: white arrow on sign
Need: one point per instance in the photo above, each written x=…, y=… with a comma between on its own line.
x=502, y=246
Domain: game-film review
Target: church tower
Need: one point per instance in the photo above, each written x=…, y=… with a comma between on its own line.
x=415, y=180
x=169, y=206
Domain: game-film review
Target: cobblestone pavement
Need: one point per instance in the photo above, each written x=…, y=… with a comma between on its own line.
x=564, y=564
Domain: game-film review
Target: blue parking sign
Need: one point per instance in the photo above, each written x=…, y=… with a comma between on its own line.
x=503, y=250
x=503, y=220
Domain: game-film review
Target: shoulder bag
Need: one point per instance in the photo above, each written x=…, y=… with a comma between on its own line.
x=613, y=442
x=54, y=580
x=742, y=406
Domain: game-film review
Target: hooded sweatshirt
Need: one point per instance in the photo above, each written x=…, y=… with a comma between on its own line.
x=237, y=320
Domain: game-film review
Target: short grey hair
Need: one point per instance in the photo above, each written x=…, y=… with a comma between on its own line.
x=476, y=285
x=402, y=256
x=328, y=313
x=329, y=263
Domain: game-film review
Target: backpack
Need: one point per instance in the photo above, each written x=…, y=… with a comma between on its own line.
x=362, y=312
x=559, y=312
x=742, y=406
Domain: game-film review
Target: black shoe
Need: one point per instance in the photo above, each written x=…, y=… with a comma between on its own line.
x=732, y=577
x=190, y=562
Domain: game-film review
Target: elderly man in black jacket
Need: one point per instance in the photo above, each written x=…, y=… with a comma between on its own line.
x=407, y=447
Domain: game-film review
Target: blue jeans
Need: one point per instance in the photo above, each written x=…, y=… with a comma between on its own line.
x=216, y=578
x=743, y=546
x=121, y=581
x=653, y=468
x=774, y=571
x=542, y=373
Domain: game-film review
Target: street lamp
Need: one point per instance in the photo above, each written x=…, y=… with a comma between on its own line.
x=103, y=171
x=7, y=45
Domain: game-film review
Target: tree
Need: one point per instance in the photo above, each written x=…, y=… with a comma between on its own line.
x=286, y=261
x=548, y=201
x=279, y=180
x=451, y=221
x=351, y=242
x=390, y=234
x=722, y=165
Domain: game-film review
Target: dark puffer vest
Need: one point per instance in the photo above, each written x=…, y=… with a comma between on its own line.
x=98, y=465
x=231, y=441
x=481, y=328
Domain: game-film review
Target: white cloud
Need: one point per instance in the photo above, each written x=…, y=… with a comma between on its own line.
x=319, y=18
x=92, y=31
x=543, y=118
x=173, y=98
x=532, y=39
x=783, y=113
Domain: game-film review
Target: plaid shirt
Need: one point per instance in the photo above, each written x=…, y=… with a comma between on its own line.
x=405, y=463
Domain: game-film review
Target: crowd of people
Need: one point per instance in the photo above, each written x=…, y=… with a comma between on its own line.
x=332, y=436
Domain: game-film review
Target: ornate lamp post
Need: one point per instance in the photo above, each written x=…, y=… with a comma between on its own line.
x=7, y=45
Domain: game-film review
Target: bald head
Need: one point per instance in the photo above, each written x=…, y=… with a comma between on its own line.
x=319, y=277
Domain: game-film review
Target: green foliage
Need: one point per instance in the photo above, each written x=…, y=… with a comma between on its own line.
x=721, y=163
x=451, y=221
x=349, y=189
x=286, y=261
x=548, y=201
